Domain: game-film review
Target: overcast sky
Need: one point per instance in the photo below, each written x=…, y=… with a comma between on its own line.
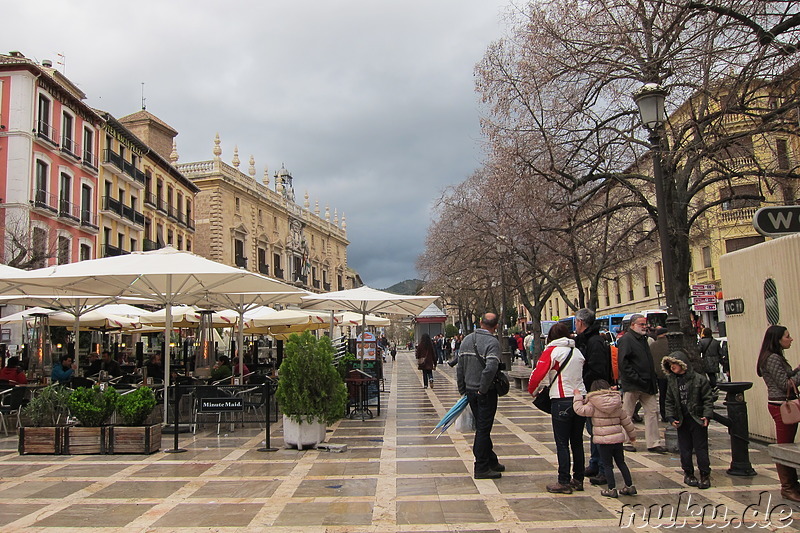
x=370, y=104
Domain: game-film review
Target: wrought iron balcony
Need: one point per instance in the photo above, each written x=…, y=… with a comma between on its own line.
x=46, y=132
x=45, y=200
x=240, y=261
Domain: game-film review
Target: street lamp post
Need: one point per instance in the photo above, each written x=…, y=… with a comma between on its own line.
x=650, y=100
x=659, y=288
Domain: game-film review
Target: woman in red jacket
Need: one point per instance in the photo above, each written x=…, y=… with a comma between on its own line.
x=426, y=359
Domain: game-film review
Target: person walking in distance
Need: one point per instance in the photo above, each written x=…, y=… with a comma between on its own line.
x=638, y=379
x=478, y=362
x=426, y=359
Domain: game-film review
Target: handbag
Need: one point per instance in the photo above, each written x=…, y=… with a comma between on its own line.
x=790, y=409
x=543, y=402
x=500, y=382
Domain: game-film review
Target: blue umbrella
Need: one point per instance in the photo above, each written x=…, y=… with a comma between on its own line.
x=451, y=415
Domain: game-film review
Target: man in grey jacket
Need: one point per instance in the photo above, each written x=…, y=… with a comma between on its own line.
x=478, y=362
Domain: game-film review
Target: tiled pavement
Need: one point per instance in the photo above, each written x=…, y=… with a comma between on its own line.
x=394, y=477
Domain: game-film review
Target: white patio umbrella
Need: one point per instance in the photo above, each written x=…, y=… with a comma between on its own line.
x=95, y=319
x=365, y=300
x=165, y=276
x=288, y=321
x=349, y=318
x=21, y=316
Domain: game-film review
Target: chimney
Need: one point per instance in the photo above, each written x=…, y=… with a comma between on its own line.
x=46, y=63
x=15, y=53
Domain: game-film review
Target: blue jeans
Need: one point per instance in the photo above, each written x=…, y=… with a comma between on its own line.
x=484, y=407
x=568, y=432
x=427, y=375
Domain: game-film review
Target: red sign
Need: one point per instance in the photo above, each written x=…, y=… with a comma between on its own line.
x=704, y=307
x=704, y=294
x=704, y=287
x=696, y=301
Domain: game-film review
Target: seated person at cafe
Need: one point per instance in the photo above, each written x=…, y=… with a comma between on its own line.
x=155, y=369
x=94, y=365
x=110, y=365
x=12, y=373
x=235, y=363
x=222, y=369
x=63, y=371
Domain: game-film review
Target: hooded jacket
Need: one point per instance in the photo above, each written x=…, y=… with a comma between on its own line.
x=700, y=399
x=597, y=353
x=553, y=356
x=609, y=421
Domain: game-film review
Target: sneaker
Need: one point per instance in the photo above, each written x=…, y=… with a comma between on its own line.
x=598, y=480
x=654, y=449
x=577, y=486
x=629, y=448
x=431, y=384
x=609, y=493
x=628, y=491
x=489, y=474
x=705, y=481
x=499, y=468
x=558, y=488
x=690, y=480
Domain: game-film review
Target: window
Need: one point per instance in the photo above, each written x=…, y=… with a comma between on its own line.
x=658, y=271
x=238, y=253
x=608, y=294
x=771, y=302
x=618, y=293
x=66, y=194
x=731, y=193
x=646, y=282
x=44, y=117
x=738, y=148
x=188, y=211
x=782, y=154
x=276, y=265
x=133, y=245
x=263, y=268
x=169, y=237
x=180, y=242
x=169, y=199
x=121, y=241
x=67, y=128
x=88, y=146
x=86, y=203
x=236, y=203
x=63, y=250
x=731, y=245
x=630, y=287
x=188, y=245
x=259, y=216
x=706, y=256
x=86, y=252
x=148, y=184
x=340, y=286
x=42, y=177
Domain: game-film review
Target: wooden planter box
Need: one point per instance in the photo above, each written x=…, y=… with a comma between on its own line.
x=134, y=439
x=41, y=440
x=85, y=440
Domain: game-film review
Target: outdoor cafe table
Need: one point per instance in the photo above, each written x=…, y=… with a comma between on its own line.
x=358, y=388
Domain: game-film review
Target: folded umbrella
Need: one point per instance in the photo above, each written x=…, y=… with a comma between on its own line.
x=451, y=415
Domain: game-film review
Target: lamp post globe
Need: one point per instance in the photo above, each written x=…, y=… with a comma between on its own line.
x=650, y=100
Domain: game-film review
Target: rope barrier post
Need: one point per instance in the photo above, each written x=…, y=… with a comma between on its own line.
x=268, y=391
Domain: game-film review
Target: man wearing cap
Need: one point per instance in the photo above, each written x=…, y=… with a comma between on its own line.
x=659, y=349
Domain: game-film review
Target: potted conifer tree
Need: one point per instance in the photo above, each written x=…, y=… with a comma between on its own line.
x=135, y=435
x=43, y=420
x=311, y=392
x=92, y=406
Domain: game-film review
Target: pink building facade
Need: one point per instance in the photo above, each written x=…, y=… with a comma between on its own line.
x=49, y=143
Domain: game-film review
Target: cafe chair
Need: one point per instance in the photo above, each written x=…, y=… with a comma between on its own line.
x=11, y=401
x=206, y=392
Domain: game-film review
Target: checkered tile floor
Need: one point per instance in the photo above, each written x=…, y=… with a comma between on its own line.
x=394, y=477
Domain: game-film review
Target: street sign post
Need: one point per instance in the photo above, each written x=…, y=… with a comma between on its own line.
x=775, y=221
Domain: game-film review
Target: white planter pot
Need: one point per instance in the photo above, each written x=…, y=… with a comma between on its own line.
x=303, y=434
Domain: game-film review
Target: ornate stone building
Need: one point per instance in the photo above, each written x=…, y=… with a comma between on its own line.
x=244, y=222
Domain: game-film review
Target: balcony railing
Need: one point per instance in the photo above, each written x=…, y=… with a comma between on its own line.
x=326, y=286
x=263, y=269
x=89, y=159
x=125, y=211
x=734, y=216
x=278, y=273
x=315, y=284
x=240, y=261
x=45, y=200
x=112, y=251
x=88, y=219
x=112, y=204
x=110, y=156
x=148, y=245
x=68, y=210
x=45, y=131
x=70, y=147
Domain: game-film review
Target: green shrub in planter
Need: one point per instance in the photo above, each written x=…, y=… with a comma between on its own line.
x=309, y=386
x=48, y=407
x=134, y=408
x=92, y=406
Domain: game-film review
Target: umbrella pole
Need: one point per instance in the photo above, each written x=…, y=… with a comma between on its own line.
x=363, y=338
x=76, y=343
x=240, y=336
x=168, y=352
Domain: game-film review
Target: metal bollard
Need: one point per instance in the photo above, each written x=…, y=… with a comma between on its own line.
x=738, y=427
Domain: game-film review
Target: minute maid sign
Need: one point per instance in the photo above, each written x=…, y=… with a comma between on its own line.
x=778, y=220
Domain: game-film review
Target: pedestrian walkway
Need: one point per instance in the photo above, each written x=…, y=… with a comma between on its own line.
x=394, y=477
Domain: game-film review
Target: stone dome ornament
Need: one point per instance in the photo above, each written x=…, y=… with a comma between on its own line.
x=316, y=207
x=344, y=221
x=306, y=203
x=327, y=213
x=235, y=161
x=217, y=149
x=335, y=217
x=266, y=175
x=252, y=169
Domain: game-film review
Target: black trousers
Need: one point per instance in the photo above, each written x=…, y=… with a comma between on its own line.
x=693, y=437
x=610, y=454
x=484, y=407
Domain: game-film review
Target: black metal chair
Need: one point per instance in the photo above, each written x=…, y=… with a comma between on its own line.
x=12, y=399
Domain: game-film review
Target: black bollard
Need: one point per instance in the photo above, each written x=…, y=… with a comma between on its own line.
x=269, y=390
x=175, y=417
x=738, y=427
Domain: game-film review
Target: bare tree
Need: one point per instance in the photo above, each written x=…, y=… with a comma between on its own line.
x=24, y=246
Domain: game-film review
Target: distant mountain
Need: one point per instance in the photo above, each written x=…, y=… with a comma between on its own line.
x=408, y=287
